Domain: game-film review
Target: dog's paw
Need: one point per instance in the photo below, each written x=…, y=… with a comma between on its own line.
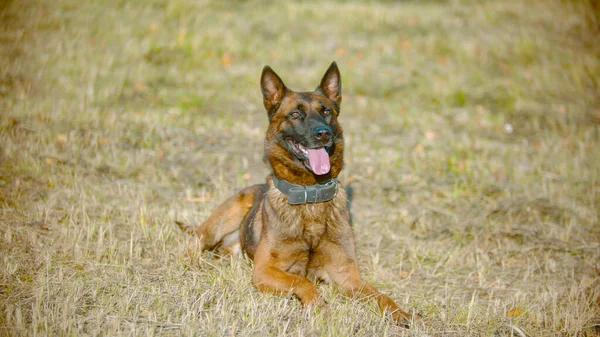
x=315, y=300
x=405, y=319
x=185, y=228
x=402, y=318
x=318, y=305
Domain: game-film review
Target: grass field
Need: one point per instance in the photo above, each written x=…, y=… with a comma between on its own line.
x=472, y=132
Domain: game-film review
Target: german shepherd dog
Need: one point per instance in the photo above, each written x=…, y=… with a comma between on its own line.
x=296, y=226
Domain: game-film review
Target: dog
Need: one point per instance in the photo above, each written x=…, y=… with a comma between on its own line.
x=296, y=227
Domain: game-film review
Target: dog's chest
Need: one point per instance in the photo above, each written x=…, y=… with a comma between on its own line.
x=308, y=223
x=313, y=232
x=312, y=222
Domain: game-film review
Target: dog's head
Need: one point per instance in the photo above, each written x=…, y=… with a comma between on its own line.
x=304, y=142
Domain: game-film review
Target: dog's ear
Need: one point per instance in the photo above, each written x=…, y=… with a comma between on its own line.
x=331, y=84
x=272, y=88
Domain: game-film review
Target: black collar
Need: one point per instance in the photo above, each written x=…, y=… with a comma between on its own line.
x=300, y=194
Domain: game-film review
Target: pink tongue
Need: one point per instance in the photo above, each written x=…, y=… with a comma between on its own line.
x=319, y=160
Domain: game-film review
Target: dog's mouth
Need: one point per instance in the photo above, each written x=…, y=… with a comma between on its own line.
x=315, y=159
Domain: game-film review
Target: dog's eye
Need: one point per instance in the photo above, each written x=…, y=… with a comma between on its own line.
x=294, y=114
x=326, y=112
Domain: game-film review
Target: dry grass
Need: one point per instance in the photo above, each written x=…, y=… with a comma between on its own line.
x=472, y=133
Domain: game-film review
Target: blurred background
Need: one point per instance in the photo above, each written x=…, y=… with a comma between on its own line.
x=471, y=131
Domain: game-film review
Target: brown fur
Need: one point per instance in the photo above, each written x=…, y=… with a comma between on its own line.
x=293, y=244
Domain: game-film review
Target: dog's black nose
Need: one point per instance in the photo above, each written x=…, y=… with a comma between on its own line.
x=322, y=133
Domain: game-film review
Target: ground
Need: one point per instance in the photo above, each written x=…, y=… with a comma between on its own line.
x=471, y=129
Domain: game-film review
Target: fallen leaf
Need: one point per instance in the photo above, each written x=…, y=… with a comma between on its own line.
x=514, y=312
x=61, y=138
x=405, y=44
x=431, y=135
x=226, y=60
x=412, y=21
x=138, y=85
x=152, y=27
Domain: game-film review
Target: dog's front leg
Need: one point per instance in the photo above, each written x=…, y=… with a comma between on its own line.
x=342, y=269
x=356, y=286
x=269, y=277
